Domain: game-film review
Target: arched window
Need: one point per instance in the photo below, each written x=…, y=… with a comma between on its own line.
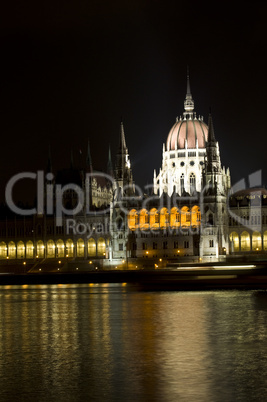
x=245, y=241
x=3, y=250
x=235, y=240
x=182, y=183
x=69, y=248
x=80, y=248
x=185, y=216
x=40, y=249
x=20, y=250
x=164, y=218
x=91, y=247
x=101, y=247
x=192, y=183
x=256, y=241
x=50, y=247
x=60, y=249
x=29, y=249
x=175, y=217
x=133, y=219
x=195, y=216
x=144, y=219
x=154, y=218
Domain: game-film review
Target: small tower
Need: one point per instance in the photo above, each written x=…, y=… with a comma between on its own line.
x=123, y=172
x=214, y=242
x=110, y=171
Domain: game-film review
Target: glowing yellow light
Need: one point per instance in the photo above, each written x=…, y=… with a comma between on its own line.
x=67, y=255
x=77, y=268
x=123, y=261
x=146, y=252
x=178, y=251
x=40, y=269
x=7, y=257
x=37, y=256
x=24, y=262
x=90, y=262
x=59, y=262
x=160, y=259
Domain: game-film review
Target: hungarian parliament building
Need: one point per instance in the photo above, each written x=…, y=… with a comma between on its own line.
x=192, y=214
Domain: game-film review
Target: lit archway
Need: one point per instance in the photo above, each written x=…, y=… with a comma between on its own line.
x=175, y=218
x=20, y=250
x=235, y=240
x=3, y=250
x=185, y=217
x=101, y=247
x=164, y=218
x=60, y=249
x=29, y=249
x=69, y=248
x=11, y=250
x=265, y=240
x=91, y=247
x=256, y=241
x=40, y=249
x=143, y=219
x=80, y=248
x=195, y=216
x=133, y=219
x=154, y=218
x=50, y=247
x=245, y=241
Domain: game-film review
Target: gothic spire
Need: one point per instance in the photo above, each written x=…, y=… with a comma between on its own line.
x=211, y=136
x=109, y=165
x=188, y=91
x=188, y=103
x=122, y=143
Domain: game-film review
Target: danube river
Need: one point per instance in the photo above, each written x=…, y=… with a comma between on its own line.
x=113, y=342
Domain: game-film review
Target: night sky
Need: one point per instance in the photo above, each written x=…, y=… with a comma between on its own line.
x=71, y=70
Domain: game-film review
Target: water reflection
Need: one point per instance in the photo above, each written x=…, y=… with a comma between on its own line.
x=107, y=342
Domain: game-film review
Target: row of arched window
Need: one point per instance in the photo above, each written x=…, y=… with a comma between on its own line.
x=164, y=218
x=53, y=249
x=248, y=242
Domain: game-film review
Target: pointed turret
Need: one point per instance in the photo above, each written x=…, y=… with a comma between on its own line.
x=123, y=171
x=188, y=103
x=122, y=143
x=211, y=136
x=110, y=165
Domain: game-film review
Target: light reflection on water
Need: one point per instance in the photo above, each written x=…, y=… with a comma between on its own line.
x=114, y=343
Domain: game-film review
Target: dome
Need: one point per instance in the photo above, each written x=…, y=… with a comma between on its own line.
x=194, y=130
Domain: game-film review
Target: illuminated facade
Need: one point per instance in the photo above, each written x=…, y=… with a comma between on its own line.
x=191, y=214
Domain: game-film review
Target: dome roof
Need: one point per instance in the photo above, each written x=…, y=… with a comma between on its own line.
x=193, y=130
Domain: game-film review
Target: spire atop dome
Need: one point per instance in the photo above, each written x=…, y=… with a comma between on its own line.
x=188, y=91
x=188, y=103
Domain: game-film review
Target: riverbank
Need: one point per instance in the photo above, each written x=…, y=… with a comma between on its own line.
x=176, y=278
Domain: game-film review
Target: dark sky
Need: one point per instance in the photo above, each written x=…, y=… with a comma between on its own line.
x=70, y=70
